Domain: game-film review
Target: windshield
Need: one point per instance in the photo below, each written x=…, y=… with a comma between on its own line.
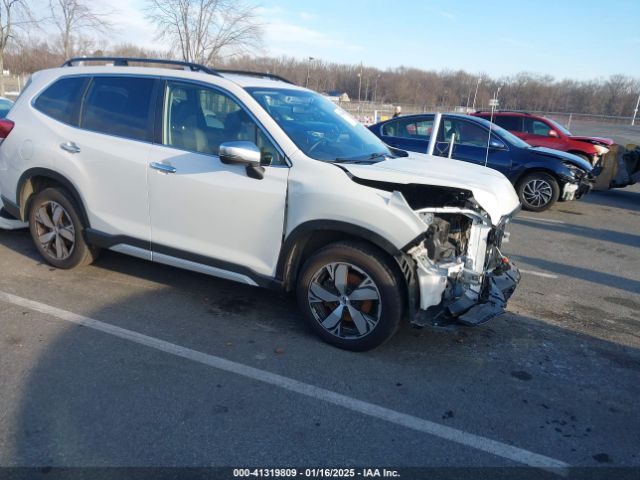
x=560, y=127
x=320, y=128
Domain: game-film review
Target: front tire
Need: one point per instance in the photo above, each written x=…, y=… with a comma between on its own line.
x=538, y=191
x=57, y=231
x=350, y=296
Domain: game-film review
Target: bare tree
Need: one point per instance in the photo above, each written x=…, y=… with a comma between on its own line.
x=417, y=90
x=72, y=16
x=14, y=15
x=205, y=30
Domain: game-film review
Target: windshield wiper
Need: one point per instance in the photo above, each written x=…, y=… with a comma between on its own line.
x=368, y=159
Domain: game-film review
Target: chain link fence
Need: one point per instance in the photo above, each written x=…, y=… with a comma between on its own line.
x=370, y=112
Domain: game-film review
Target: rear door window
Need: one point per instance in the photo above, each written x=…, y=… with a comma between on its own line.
x=62, y=99
x=120, y=106
x=513, y=124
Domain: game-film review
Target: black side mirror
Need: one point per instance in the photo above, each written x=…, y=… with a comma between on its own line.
x=497, y=144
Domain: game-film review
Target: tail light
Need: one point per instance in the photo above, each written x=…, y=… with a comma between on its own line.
x=5, y=128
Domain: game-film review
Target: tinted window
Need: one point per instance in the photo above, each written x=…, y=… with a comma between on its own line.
x=199, y=119
x=536, y=127
x=119, y=106
x=5, y=106
x=503, y=134
x=409, y=128
x=513, y=124
x=61, y=100
x=466, y=133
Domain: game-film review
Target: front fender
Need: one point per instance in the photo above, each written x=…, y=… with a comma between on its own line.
x=553, y=167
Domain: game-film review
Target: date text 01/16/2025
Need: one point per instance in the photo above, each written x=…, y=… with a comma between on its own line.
x=315, y=472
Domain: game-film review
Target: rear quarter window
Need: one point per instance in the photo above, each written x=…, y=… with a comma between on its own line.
x=120, y=106
x=61, y=100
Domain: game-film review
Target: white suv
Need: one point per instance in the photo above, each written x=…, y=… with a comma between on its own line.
x=248, y=177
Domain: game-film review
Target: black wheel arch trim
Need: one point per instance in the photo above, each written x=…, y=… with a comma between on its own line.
x=10, y=207
x=295, y=242
x=53, y=175
x=535, y=168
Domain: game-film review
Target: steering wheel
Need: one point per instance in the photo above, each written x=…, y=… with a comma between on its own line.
x=321, y=141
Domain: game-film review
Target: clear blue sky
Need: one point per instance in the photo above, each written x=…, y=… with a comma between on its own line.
x=580, y=39
x=565, y=38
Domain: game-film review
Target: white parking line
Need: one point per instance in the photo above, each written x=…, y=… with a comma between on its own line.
x=537, y=274
x=540, y=219
x=484, y=444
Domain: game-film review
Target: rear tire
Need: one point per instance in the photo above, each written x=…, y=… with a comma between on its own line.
x=538, y=191
x=350, y=296
x=57, y=231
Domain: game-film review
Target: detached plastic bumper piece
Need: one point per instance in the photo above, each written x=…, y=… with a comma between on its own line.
x=498, y=287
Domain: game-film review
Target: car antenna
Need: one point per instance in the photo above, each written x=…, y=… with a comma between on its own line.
x=493, y=103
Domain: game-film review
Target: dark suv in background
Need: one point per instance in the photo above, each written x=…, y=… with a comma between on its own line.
x=541, y=176
x=544, y=132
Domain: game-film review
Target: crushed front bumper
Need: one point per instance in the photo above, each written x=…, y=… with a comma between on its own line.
x=474, y=308
x=576, y=189
x=498, y=287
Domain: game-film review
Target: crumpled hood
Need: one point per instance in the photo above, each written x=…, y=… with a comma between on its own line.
x=564, y=156
x=607, y=142
x=491, y=189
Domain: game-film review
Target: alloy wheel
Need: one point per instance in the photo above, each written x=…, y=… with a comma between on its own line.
x=537, y=192
x=344, y=300
x=55, y=230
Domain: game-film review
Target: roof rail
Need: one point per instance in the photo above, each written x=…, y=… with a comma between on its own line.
x=256, y=74
x=124, y=62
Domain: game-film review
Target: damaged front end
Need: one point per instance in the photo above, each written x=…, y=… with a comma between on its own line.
x=456, y=272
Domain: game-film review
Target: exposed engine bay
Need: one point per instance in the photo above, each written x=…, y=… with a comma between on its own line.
x=461, y=274
x=455, y=270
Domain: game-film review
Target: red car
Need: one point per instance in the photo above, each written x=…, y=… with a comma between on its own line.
x=544, y=132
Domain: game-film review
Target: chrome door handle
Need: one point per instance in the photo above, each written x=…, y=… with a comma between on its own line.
x=163, y=167
x=70, y=147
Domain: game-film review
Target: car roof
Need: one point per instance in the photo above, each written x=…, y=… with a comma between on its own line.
x=251, y=80
x=419, y=115
x=502, y=113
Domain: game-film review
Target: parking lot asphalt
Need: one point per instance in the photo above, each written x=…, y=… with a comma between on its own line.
x=558, y=376
x=621, y=134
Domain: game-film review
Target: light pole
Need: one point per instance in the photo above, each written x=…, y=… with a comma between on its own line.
x=311, y=59
x=366, y=91
x=375, y=89
x=476, y=94
x=360, y=83
x=635, y=112
x=498, y=92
